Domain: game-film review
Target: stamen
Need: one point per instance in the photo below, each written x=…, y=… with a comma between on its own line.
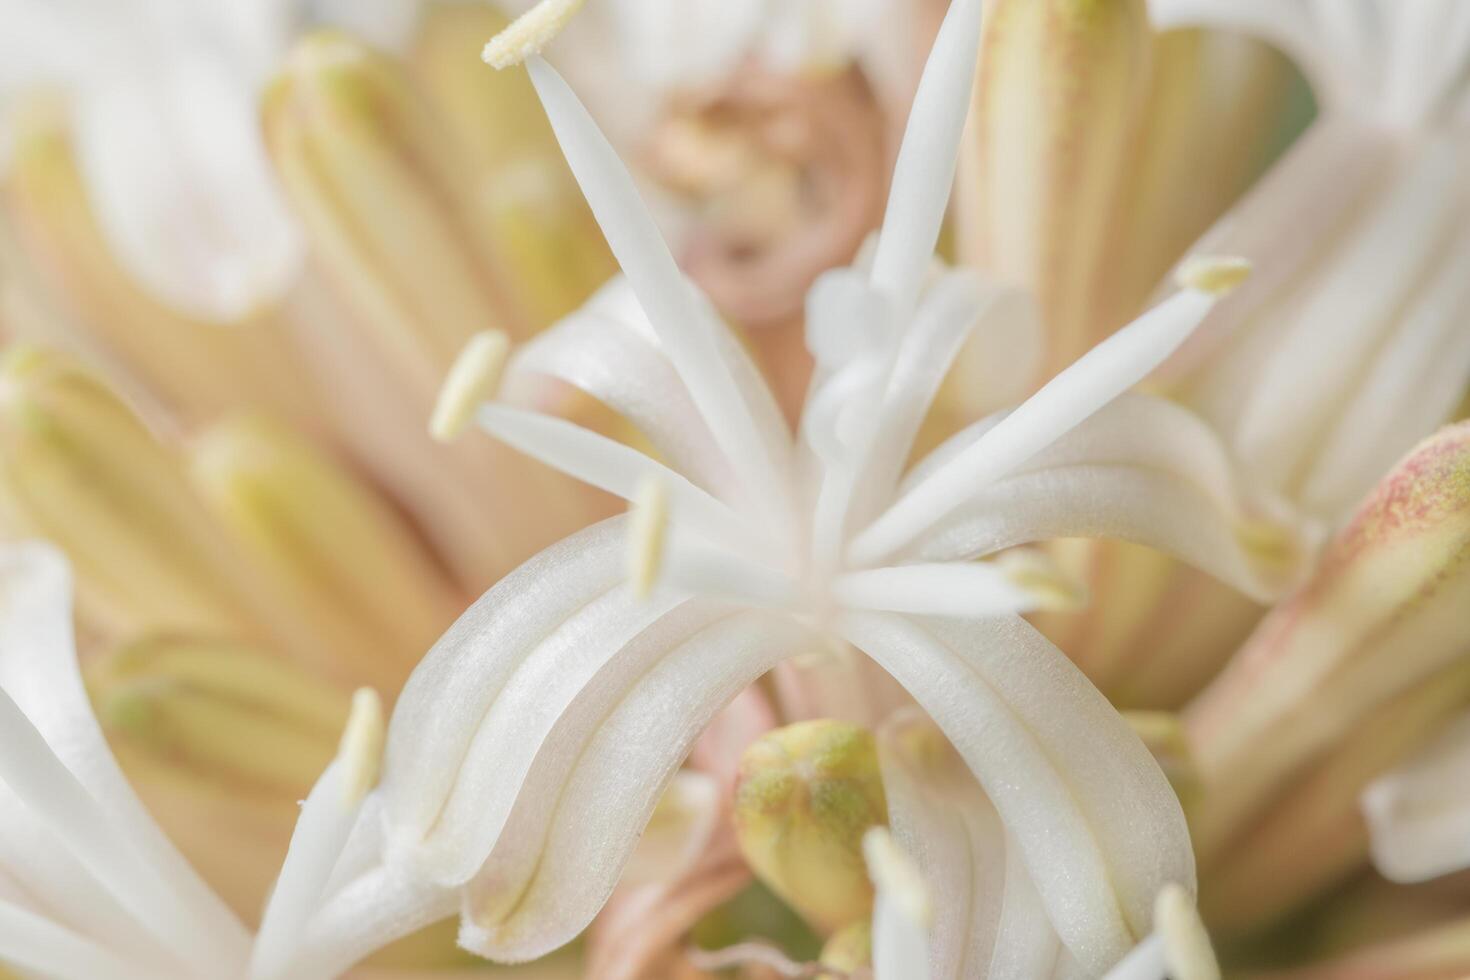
x=896, y=876
x=965, y=589
x=472, y=381
x=712, y=571
x=648, y=528
x=529, y=33
x=1213, y=274
x=1188, y=954
x=361, y=749
x=1042, y=578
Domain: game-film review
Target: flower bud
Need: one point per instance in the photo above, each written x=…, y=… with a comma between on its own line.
x=1060, y=86
x=805, y=794
x=79, y=467
x=1339, y=683
x=214, y=735
x=93, y=303
x=332, y=544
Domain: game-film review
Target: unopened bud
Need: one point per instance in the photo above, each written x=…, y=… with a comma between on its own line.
x=805, y=796
x=1061, y=84
x=1368, y=656
x=332, y=545
x=79, y=467
x=93, y=301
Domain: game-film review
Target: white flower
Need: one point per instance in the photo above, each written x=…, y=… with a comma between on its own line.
x=163, y=99
x=1350, y=346
x=529, y=748
x=89, y=885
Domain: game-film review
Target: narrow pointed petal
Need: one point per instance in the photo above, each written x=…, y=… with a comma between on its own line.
x=1098, y=824
x=1098, y=377
x=924, y=172
x=1419, y=814
x=47, y=707
x=685, y=327
x=1142, y=469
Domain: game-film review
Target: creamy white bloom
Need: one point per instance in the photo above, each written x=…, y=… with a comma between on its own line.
x=163, y=99
x=89, y=885
x=530, y=747
x=1351, y=344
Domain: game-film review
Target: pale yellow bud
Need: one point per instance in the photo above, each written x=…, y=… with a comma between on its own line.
x=805, y=796
x=352, y=570
x=90, y=302
x=219, y=740
x=80, y=468
x=1339, y=683
x=1060, y=87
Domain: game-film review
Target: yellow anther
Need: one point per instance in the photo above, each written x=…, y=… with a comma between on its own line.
x=472, y=380
x=896, y=876
x=1213, y=274
x=1188, y=954
x=360, y=753
x=1038, y=573
x=529, y=33
x=649, y=512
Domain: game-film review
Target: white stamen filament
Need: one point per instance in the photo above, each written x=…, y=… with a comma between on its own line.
x=529, y=33
x=471, y=381
x=1188, y=954
x=1092, y=381
x=1143, y=962
x=53, y=794
x=646, y=534
x=322, y=830
x=896, y=875
x=682, y=325
x=704, y=569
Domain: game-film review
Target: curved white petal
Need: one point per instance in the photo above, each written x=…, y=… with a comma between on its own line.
x=169, y=145
x=1143, y=469
x=1097, y=822
x=1419, y=814
x=579, y=811
x=107, y=828
x=681, y=826
x=621, y=366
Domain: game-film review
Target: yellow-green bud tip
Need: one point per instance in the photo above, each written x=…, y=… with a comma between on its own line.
x=896, y=876
x=361, y=751
x=529, y=33
x=472, y=380
x=1188, y=954
x=1213, y=274
x=648, y=528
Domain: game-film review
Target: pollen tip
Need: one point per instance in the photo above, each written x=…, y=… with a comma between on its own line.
x=1213, y=274
x=650, y=520
x=1038, y=574
x=1188, y=954
x=896, y=876
x=360, y=752
x=529, y=33
x=472, y=380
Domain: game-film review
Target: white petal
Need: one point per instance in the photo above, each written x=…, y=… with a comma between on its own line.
x=696, y=342
x=580, y=810
x=901, y=910
x=966, y=589
x=1100, y=828
x=1143, y=469
x=173, y=159
x=924, y=171
x=35, y=944
x=621, y=366
x=39, y=676
x=1088, y=384
x=1419, y=814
